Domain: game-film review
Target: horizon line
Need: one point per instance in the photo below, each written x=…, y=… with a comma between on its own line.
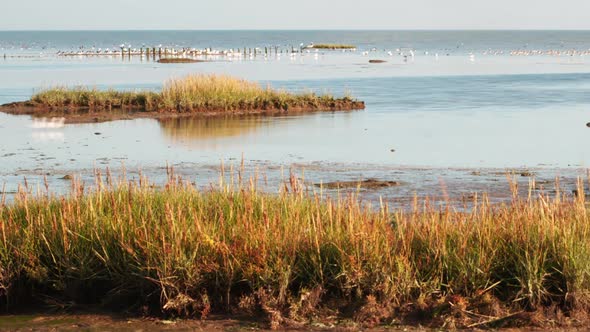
x=335, y=29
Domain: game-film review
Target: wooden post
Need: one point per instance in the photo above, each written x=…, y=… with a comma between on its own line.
x=159, y=52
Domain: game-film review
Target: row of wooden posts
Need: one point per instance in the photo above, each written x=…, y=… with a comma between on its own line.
x=159, y=52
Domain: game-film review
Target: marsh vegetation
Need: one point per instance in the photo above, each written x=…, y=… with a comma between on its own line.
x=195, y=94
x=296, y=256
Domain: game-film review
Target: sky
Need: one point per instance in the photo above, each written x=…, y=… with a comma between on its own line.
x=293, y=14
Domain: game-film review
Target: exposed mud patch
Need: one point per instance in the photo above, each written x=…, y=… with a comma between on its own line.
x=85, y=115
x=365, y=184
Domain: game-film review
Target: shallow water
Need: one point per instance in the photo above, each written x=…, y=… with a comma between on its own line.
x=442, y=117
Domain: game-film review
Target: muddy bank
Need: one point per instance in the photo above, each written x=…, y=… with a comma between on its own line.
x=110, y=322
x=76, y=115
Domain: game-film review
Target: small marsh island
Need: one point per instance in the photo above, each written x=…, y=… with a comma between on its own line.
x=207, y=95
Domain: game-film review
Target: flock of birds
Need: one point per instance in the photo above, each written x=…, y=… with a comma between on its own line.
x=293, y=52
x=126, y=50
x=551, y=52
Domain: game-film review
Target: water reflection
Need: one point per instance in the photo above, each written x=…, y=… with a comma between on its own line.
x=47, y=129
x=46, y=136
x=210, y=130
x=48, y=123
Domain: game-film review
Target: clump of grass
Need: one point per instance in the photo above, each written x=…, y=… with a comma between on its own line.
x=332, y=46
x=94, y=98
x=179, y=60
x=291, y=256
x=196, y=93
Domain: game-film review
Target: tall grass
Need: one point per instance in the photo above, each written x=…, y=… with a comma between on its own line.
x=294, y=255
x=94, y=98
x=196, y=93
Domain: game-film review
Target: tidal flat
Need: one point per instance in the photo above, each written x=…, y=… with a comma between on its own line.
x=456, y=199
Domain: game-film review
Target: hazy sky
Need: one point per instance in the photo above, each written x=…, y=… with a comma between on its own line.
x=294, y=14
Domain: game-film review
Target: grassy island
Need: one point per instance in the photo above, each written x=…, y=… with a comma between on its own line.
x=295, y=257
x=179, y=60
x=197, y=94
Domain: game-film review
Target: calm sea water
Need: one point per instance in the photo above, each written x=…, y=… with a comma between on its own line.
x=455, y=42
x=471, y=107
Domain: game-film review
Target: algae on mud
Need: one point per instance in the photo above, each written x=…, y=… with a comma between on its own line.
x=191, y=95
x=365, y=184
